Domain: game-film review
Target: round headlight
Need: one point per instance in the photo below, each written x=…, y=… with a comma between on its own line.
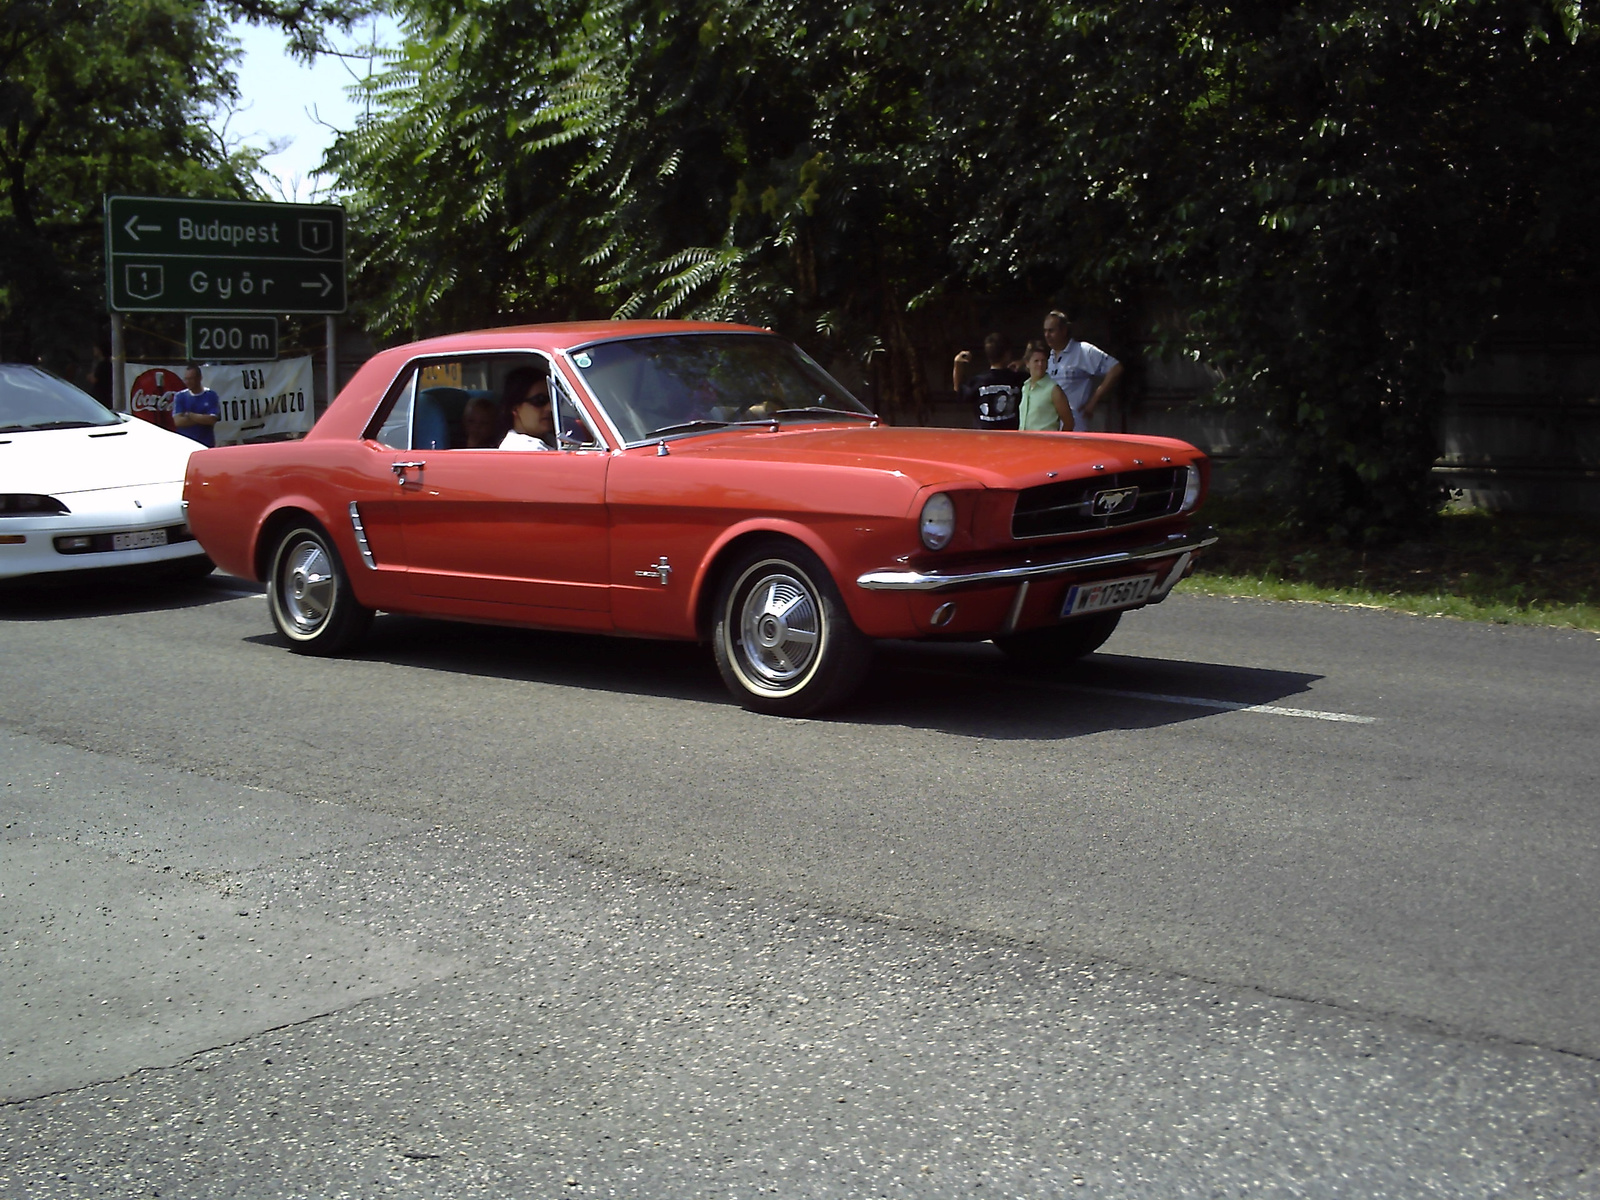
x=938, y=521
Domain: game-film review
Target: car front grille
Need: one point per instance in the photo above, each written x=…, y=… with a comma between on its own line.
x=1103, y=502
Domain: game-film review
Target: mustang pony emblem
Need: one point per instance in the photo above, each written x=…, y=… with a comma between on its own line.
x=1115, y=500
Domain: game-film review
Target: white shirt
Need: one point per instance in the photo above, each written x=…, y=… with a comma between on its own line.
x=1075, y=369
x=521, y=441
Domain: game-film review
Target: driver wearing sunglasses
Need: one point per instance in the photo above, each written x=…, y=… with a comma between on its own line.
x=525, y=401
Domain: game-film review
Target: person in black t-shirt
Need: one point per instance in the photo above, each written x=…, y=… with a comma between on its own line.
x=995, y=394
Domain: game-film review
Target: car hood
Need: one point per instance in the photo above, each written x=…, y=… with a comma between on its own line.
x=59, y=462
x=937, y=456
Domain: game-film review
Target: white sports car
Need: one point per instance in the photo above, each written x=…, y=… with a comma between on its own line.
x=82, y=488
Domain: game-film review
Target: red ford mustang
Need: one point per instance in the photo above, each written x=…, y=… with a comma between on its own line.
x=699, y=481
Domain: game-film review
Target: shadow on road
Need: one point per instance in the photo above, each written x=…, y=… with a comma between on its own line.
x=113, y=592
x=970, y=690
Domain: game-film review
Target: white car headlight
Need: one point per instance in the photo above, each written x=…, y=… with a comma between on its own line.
x=29, y=505
x=1191, y=492
x=938, y=524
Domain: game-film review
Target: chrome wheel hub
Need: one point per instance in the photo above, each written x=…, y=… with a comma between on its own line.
x=309, y=583
x=780, y=628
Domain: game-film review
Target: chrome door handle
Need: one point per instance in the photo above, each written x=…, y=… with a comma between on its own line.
x=402, y=468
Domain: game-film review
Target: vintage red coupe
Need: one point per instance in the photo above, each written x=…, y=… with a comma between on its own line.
x=699, y=481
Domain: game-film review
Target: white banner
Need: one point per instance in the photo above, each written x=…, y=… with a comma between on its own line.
x=261, y=402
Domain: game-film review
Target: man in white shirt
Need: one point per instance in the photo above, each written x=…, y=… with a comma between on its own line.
x=1084, y=372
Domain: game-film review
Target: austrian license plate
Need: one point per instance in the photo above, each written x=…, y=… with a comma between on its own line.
x=141, y=540
x=1108, y=593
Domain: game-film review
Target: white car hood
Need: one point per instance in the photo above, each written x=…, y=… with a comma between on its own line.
x=59, y=462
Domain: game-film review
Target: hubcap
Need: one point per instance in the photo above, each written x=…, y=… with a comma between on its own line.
x=308, y=586
x=780, y=628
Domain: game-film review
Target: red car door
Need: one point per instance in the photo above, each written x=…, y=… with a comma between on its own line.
x=507, y=526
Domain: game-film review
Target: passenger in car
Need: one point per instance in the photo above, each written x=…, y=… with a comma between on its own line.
x=526, y=402
x=480, y=424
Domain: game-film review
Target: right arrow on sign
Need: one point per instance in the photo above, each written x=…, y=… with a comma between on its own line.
x=327, y=284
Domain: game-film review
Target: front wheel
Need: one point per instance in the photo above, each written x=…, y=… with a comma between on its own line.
x=1058, y=645
x=783, y=639
x=309, y=594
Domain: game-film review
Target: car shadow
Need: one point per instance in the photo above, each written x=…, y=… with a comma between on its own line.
x=975, y=690
x=966, y=689
x=114, y=592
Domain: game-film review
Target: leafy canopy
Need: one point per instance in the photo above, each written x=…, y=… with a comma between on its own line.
x=101, y=96
x=1330, y=200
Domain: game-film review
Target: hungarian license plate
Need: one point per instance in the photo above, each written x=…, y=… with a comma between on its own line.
x=1108, y=593
x=141, y=540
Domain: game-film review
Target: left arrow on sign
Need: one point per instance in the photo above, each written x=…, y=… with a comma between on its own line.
x=134, y=230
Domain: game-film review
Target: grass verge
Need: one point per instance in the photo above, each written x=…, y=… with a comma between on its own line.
x=1511, y=570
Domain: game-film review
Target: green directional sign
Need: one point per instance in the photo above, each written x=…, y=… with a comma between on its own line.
x=170, y=254
x=219, y=339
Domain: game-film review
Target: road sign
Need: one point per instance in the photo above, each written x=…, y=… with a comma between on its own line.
x=172, y=254
x=222, y=339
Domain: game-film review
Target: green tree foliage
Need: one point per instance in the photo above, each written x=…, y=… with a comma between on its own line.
x=102, y=96
x=1337, y=196
x=773, y=163
x=457, y=219
x=1341, y=197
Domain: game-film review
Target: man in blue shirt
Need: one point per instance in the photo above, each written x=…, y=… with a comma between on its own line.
x=196, y=410
x=1084, y=372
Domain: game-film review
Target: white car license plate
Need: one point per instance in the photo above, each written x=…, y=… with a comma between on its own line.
x=1108, y=593
x=139, y=541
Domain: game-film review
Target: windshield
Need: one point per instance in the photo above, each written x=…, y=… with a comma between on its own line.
x=684, y=383
x=34, y=399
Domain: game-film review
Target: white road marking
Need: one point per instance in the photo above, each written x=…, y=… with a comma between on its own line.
x=1272, y=710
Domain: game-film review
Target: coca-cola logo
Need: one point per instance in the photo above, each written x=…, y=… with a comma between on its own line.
x=150, y=397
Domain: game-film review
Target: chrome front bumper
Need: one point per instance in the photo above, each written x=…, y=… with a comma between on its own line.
x=939, y=581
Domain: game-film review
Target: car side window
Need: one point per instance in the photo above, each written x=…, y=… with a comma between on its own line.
x=395, y=432
x=572, y=428
x=459, y=404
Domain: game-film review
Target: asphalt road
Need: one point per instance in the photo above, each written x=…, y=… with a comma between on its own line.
x=1262, y=900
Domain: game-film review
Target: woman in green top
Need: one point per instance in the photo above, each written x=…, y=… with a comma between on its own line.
x=1044, y=404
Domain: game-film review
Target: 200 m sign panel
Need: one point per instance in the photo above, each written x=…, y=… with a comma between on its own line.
x=232, y=339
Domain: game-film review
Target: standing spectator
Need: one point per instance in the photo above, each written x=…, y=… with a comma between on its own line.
x=995, y=394
x=100, y=386
x=1084, y=372
x=1044, y=404
x=196, y=409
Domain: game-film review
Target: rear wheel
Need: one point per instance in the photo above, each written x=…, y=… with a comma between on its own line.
x=1063, y=643
x=782, y=637
x=309, y=594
